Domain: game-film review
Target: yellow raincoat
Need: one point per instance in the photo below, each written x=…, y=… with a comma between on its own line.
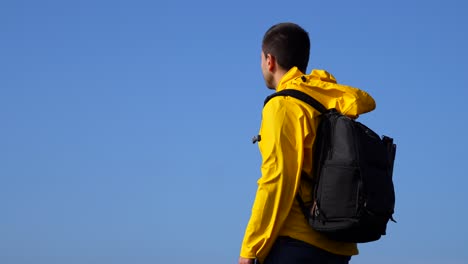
x=287, y=134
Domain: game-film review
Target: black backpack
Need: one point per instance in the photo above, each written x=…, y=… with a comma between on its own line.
x=353, y=197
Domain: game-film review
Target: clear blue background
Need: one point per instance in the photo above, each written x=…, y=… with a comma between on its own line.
x=126, y=125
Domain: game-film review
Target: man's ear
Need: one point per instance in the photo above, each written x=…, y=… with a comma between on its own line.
x=271, y=62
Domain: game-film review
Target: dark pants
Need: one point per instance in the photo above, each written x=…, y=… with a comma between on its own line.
x=287, y=250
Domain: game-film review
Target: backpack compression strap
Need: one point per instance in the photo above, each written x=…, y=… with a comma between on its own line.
x=298, y=95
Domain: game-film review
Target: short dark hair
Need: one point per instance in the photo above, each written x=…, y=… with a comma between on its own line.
x=289, y=44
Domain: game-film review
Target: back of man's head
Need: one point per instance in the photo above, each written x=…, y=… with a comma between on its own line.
x=289, y=44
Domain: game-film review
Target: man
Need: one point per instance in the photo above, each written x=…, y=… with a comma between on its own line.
x=278, y=232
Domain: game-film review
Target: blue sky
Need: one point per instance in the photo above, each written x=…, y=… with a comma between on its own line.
x=126, y=125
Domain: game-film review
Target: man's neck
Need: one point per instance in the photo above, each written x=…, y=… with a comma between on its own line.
x=278, y=75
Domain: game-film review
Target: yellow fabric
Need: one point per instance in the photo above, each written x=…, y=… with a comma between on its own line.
x=287, y=134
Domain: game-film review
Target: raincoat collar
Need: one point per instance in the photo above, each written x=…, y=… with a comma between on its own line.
x=293, y=73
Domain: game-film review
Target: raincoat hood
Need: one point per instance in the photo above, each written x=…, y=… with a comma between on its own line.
x=323, y=86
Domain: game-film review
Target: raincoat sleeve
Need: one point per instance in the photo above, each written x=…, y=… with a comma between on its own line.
x=281, y=146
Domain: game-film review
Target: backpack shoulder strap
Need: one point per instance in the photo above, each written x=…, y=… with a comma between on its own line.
x=316, y=105
x=298, y=95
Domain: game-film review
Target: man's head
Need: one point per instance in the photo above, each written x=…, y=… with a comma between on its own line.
x=284, y=46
